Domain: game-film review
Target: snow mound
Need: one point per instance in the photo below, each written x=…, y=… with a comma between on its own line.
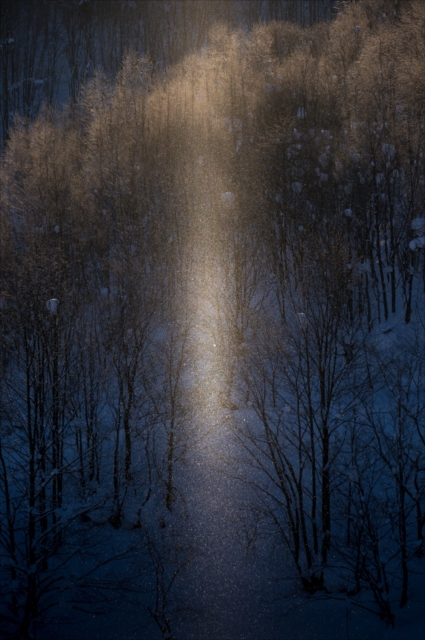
x=417, y=243
x=418, y=226
x=229, y=198
x=52, y=305
x=388, y=150
x=363, y=267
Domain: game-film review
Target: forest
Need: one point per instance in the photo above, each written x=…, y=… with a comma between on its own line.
x=212, y=318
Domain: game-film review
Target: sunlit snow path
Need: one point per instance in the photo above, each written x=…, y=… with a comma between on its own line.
x=223, y=585
x=220, y=581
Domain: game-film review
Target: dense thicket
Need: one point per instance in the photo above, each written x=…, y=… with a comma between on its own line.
x=49, y=48
x=274, y=178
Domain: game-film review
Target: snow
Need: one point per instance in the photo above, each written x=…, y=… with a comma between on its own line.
x=302, y=319
x=363, y=267
x=231, y=589
x=418, y=226
x=228, y=198
x=417, y=243
x=388, y=150
x=52, y=305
